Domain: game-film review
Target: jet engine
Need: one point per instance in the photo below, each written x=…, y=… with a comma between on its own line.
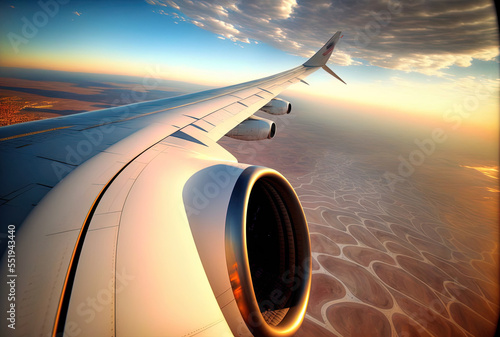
x=277, y=106
x=253, y=239
x=207, y=247
x=253, y=128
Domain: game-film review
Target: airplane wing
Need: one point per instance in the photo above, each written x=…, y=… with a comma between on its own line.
x=133, y=221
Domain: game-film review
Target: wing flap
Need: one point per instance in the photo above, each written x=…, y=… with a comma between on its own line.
x=235, y=108
x=242, y=94
x=203, y=125
x=252, y=100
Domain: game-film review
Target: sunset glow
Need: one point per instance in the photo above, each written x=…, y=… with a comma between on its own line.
x=491, y=172
x=182, y=43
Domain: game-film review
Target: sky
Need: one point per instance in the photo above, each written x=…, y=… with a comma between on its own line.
x=427, y=61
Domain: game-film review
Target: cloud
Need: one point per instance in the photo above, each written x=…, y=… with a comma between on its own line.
x=426, y=36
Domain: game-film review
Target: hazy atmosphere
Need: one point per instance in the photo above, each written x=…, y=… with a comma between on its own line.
x=397, y=170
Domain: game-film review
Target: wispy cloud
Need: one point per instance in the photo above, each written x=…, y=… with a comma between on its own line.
x=426, y=36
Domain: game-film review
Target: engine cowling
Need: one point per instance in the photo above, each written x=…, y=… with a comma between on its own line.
x=254, y=128
x=252, y=238
x=277, y=106
x=209, y=246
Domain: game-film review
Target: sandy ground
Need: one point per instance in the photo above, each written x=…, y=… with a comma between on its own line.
x=421, y=260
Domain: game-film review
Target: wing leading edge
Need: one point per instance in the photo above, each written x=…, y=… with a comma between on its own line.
x=56, y=174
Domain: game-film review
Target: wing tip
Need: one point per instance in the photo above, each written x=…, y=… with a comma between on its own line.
x=321, y=57
x=331, y=72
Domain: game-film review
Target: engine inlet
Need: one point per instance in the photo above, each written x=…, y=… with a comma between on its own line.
x=268, y=251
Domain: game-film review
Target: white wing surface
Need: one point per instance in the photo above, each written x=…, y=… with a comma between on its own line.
x=133, y=221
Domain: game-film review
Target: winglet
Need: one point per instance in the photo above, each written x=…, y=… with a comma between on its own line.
x=328, y=70
x=321, y=57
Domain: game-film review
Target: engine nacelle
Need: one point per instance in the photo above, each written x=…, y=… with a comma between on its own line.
x=253, y=240
x=253, y=128
x=277, y=106
x=222, y=247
